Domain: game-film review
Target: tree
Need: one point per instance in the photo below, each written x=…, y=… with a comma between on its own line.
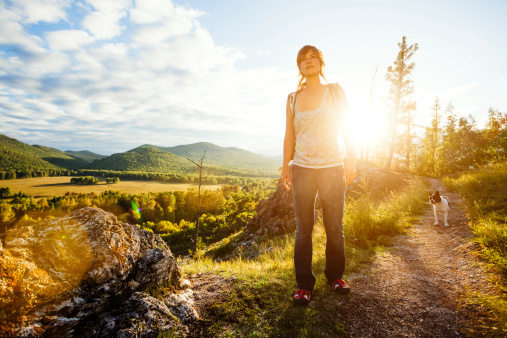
x=398, y=75
x=5, y=192
x=7, y=216
x=463, y=145
x=495, y=133
x=432, y=139
x=199, y=164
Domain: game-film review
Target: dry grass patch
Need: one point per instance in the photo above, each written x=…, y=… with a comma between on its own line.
x=47, y=187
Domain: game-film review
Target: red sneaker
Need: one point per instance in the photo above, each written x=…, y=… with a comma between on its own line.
x=340, y=286
x=301, y=297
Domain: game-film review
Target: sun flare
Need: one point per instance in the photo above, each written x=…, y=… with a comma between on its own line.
x=369, y=125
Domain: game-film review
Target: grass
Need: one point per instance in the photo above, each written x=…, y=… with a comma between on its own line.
x=259, y=304
x=486, y=196
x=47, y=187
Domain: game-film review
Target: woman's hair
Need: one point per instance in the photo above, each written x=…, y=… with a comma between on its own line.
x=301, y=54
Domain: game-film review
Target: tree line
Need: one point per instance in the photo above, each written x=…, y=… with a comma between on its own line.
x=133, y=176
x=451, y=143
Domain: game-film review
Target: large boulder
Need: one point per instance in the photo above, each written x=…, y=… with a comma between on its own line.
x=275, y=215
x=84, y=270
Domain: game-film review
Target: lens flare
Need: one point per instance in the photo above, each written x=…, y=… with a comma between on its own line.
x=136, y=210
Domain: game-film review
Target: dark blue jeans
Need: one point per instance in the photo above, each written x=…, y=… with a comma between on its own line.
x=330, y=184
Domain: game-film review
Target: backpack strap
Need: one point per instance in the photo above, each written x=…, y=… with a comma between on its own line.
x=292, y=103
x=340, y=102
x=334, y=89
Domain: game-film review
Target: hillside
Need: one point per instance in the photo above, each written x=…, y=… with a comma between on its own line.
x=13, y=159
x=231, y=157
x=16, y=155
x=144, y=159
x=19, y=155
x=85, y=155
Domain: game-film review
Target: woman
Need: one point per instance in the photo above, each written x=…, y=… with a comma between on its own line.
x=315, y=113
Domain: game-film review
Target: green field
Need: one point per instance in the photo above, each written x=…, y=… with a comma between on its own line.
x=47, y=187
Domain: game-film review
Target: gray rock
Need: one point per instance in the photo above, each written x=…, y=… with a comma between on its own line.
x=88, y=274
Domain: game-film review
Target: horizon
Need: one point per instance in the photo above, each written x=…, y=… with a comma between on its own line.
x=107, y=76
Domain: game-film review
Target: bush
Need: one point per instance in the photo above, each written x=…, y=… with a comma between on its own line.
x=112, y=180
x=5, y=192
x=84, y=180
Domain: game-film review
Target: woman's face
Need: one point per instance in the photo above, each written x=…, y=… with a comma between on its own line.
x=310, y=64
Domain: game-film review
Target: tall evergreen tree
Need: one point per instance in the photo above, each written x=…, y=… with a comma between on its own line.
x=401, y=89
x=431, y=141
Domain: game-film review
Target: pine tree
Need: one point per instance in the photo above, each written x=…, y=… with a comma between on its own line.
x=398, y=75
x=432, y=139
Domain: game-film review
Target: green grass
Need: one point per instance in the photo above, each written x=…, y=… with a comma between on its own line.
x=485, y=193
x=259, y=304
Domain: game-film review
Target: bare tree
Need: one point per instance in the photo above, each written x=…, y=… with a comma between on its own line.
x=200, y=165
x=366, y=147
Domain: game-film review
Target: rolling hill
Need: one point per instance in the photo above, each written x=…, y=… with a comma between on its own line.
x=231, y=157
x=16, y=155
x=11, y=159
x=85, y=155
x=144, y=159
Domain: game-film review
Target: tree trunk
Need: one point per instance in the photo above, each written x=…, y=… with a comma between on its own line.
x=196, y=235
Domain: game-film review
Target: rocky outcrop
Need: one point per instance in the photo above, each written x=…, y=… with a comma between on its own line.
x=275, y=215
x=88, y=274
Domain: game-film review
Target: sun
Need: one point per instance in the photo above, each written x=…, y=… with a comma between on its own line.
x=369, y=126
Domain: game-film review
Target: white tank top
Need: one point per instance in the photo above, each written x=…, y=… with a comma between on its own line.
x=316, y=134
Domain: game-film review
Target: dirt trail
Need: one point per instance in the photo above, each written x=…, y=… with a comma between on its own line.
x=417, y=287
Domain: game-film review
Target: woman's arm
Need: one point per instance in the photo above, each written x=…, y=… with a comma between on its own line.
x=350, y=163
x=288, y=146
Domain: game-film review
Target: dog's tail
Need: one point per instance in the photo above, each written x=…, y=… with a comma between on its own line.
x=449, y=203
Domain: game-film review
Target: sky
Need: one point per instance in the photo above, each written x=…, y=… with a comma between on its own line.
x=110, y=75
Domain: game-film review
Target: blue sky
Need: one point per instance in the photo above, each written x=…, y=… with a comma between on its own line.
x=109, y=75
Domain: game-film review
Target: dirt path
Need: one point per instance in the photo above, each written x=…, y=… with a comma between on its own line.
x=417, y=287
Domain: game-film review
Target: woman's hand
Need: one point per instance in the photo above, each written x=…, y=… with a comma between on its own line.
x=350, y=171
x=286, y=180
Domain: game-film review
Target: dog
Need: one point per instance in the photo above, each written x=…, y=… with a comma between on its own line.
x=440, y=205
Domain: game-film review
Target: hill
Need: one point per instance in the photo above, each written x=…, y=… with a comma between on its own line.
x=147, y=159
x=85, y=155
x=15, y=160
x=16, y=155
x=230, y=157
x=19, y=155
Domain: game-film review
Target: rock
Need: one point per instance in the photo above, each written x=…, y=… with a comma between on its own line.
x=88, y=274
x=275, y=215
x=141, y=315
x=185, y=284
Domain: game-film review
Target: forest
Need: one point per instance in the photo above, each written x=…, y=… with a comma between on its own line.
x=451, y=143
x=170, y=214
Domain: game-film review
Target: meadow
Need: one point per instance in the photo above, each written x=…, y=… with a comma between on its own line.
x=484, y=192
x=47, y=187
x=259, y=303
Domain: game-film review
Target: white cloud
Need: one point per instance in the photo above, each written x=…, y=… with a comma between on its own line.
x=104, y=22
x=109, y=84
x=13, y=32
x=160, y=11
x=103, y=25
x=68, y=39
x=34, y=11
x=263, y=52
